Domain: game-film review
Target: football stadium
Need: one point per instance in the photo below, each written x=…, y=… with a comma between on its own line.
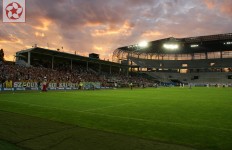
x=172, y=93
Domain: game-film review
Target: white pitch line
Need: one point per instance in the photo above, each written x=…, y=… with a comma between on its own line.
x=158, y=121
x=106, y=107
x=120, y=117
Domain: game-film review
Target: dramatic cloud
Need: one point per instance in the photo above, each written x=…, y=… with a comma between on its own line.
x=100, y=26
x=123, y=30
x=210, y=3
x=226, y=8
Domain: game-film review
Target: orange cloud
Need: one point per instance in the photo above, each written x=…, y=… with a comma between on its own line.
x=44, y=26
x=38, y=34
x=210, y=4
x=227, y=8
x=224, y=6
x=103, y=32
x=92, y=24
x=105, y=53
x=151, y=34
x=125, y=29
x=10, y=48
x=98, y=48
x=11, y=39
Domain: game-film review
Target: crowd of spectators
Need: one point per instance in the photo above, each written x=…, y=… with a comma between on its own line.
x=124, y=81
x=17, y=73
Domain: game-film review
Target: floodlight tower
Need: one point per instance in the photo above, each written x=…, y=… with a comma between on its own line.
x=135, y=48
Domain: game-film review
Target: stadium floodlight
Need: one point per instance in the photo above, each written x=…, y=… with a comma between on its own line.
x=227, y=43
x=143, y=44
x=171, y=46
x=194, y=45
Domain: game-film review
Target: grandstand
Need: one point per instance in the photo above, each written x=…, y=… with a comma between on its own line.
x=63, y=71
x=54, y=59
x=198, y=60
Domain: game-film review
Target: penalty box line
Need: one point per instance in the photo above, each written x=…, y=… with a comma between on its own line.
x=120, y=117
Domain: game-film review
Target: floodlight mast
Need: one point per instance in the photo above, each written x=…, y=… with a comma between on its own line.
x=137, y=47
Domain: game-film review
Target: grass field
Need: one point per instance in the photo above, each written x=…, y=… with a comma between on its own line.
x=163, y=118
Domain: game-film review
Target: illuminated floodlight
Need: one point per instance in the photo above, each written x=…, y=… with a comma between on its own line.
x=194, y=45
x=227, y=43
x=143, y=44
x=171, y=46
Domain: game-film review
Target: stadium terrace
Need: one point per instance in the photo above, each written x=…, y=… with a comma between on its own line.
x=198, y=60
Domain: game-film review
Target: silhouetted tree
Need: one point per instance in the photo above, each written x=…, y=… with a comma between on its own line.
x=1, y=55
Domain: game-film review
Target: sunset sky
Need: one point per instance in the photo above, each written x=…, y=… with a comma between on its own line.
x=100, y=26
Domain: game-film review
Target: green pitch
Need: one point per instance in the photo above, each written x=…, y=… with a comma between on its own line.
x=163, y=118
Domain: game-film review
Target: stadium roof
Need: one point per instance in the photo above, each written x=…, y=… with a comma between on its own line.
x=65, y=55
x=210, y=43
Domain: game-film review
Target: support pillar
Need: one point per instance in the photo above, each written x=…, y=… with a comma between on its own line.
x=29, y=58
x=99, y=68
x=127, y=72
x=87, y=65
x=52, y=62
x=71, y=64
x=206, y=55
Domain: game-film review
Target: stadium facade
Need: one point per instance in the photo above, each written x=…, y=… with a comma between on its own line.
x=198, y=60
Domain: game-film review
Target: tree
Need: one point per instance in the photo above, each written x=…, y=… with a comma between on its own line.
x=1, y=55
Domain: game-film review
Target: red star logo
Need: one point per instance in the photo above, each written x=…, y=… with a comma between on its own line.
x=14, y=10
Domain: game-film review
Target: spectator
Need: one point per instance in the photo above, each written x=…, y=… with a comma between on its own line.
x=8, y=84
